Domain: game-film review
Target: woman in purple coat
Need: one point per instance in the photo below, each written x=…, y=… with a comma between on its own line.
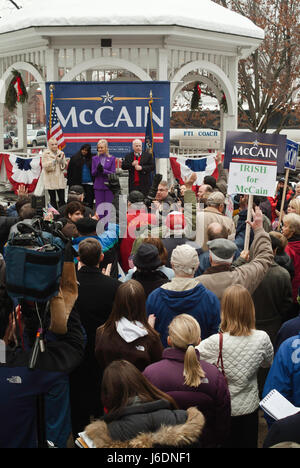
x=103, y=164
x=191, y=381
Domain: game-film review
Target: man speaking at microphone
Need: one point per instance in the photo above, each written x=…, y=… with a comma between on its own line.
x=139, y=164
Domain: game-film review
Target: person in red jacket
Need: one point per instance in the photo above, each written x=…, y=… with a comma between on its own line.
x=276, y=201
x=137, y=218
x=291, y=231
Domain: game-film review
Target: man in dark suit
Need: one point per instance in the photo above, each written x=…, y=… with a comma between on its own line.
x=139, y=164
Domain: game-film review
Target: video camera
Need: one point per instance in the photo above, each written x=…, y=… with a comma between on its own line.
x=176, y=193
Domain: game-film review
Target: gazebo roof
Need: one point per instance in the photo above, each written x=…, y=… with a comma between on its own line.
x=197, y=14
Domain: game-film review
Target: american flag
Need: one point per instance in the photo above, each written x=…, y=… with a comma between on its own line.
x=55, y=130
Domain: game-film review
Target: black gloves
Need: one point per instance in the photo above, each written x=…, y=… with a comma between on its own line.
x=114, y=183
x=99, y=169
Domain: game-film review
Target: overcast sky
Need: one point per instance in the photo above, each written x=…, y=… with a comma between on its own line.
x=6, y=7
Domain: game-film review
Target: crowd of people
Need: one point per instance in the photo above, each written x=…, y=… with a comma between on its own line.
x=164, y=331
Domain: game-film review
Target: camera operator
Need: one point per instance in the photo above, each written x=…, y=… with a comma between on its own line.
x=22, y=383
x=164, y=202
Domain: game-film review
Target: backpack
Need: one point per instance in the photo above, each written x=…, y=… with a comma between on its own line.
x=34, y=261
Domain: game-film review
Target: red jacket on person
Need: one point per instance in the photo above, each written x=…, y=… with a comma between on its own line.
x=135, y=220
x=293, y=251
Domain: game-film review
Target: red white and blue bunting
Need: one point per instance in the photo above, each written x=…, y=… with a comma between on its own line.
x=21, y=170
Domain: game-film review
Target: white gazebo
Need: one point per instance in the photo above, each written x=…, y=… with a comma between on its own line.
x=159, y=40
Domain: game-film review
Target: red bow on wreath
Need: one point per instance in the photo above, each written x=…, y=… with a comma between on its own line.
x=18, y=88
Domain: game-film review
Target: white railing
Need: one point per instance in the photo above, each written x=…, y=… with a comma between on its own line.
x=189, y=152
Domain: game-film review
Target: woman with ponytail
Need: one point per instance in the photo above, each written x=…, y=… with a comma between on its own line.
x=191, y=381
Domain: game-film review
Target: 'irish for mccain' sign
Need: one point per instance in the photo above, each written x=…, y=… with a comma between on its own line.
x=255, y=148
x=252, y=179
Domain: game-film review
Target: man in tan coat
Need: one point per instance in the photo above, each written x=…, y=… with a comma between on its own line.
x=213, y=213
x=222, y=275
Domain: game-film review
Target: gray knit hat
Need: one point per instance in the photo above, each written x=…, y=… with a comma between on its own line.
x=223, y=249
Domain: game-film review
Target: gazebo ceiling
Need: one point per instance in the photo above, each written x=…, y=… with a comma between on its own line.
x=202, y=15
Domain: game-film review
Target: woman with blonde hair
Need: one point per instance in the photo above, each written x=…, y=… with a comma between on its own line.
x=191, y=381
x=244, y=350
x=54, y=164
x=103, y=164
x=294, y=206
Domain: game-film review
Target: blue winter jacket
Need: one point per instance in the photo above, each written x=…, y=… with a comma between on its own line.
x=198, y=302
x=284, y=374
x=108, y=239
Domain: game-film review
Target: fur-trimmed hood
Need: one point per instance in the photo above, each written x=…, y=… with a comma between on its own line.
x=179, y=435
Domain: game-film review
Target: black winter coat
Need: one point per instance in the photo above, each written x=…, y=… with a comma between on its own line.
x=74, y=176
x=150, y=280
x=6, y=222
x=148, y=166
x=96, y=294
x=284, y=430
x=148, y=425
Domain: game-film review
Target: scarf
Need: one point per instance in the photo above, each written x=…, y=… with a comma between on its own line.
x=136, y=173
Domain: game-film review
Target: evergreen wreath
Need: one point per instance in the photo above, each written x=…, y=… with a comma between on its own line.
x=196, y=97
x=223, y=103
x=16, y=91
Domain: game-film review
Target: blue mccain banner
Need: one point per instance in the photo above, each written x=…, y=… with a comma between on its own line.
x=292, y=150
x=255, y=148
x=115, y=111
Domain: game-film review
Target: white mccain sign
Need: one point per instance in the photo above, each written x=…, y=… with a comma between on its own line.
x=252, y=179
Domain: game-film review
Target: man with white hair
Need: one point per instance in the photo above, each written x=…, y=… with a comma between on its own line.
x=139, y=165
x=183, y=295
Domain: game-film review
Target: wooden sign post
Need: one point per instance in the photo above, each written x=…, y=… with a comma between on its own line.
x=287, y=172
x=248, y=227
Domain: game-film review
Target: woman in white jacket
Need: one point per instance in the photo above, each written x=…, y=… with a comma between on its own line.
x=54, y=165
x=244, y=350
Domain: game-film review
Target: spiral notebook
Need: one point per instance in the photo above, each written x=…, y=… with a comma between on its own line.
x=277, y=406
x=83, y=441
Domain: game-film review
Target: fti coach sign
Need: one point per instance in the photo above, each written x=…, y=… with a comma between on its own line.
x=115, y=111
x=253, y=160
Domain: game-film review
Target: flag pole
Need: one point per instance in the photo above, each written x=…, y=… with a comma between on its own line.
x=150, y=111
x=52, y=88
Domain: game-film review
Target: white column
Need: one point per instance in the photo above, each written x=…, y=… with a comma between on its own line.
x=162, y=165
x=162, y=74
x=229, y=122
x=22, y=126
x=233, y=76
x=89, y=75
x=52, y=64
x=1, y=127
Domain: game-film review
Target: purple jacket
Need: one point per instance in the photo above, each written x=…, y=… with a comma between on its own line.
x=109, y=167
x=212, y=396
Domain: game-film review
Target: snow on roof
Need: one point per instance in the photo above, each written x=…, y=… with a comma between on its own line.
x=198, y=14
